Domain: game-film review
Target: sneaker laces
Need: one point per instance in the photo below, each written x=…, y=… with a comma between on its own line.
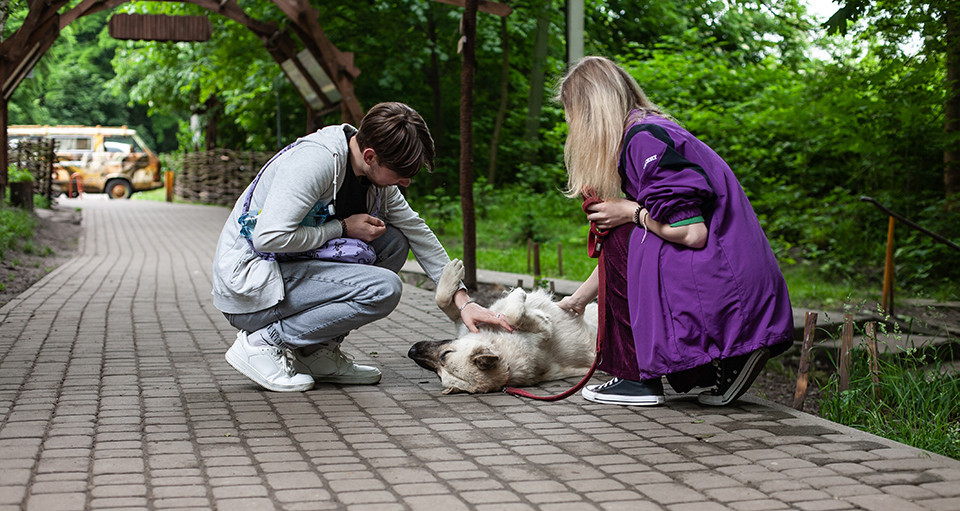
x=607, y=385
x=286, y=359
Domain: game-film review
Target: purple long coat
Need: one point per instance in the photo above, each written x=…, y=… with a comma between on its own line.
x=688, y=306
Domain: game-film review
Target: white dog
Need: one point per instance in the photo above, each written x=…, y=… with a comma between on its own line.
x=547, y=343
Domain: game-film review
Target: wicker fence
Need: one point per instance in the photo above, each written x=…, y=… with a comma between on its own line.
x=217, y=176
x=35, y=154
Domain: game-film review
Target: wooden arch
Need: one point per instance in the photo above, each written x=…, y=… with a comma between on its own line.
x=22, y=50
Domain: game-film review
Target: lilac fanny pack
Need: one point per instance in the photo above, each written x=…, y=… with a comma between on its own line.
x=344, y=250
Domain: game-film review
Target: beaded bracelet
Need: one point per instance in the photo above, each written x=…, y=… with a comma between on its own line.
x=641, y=222
x=343, y=225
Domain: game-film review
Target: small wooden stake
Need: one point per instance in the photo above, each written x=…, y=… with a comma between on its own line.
x=871, y=337
x=529, y=251
x=560, y=259
x=809, y=329
x=846, y=344
x=536, y=262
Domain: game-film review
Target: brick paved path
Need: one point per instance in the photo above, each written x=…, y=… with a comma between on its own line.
x=114, y=394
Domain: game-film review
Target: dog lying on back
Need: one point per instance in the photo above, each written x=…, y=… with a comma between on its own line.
x=547, y=343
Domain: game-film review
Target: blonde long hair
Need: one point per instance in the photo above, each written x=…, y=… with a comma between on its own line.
x=598, y=98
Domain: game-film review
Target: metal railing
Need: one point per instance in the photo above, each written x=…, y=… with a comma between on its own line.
x=886, y=301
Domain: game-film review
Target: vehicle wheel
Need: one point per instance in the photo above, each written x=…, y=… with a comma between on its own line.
x=118, y=189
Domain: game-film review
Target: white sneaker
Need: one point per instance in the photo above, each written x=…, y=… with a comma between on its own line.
x=266, y=365
x=334, y=366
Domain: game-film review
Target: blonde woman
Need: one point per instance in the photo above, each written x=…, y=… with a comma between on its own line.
x=693, y=291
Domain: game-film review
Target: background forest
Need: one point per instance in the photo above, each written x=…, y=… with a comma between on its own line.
x=809, y=120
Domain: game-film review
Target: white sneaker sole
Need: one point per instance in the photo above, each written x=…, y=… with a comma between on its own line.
x=741, y=384
x=596, y=397
x=247, y=370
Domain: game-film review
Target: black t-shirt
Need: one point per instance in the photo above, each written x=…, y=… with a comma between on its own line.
x=352, y=195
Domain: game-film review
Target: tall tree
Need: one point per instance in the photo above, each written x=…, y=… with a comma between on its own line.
x=935, y=26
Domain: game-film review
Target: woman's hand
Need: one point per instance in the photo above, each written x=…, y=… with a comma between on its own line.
x=586, y=293
x=612, y=213
x=572, y=305
x=364, y=227
x=473, y=314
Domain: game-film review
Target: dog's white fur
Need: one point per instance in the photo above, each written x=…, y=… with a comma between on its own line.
x=547, y=343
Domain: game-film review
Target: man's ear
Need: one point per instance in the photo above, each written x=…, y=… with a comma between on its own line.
x=369, y=156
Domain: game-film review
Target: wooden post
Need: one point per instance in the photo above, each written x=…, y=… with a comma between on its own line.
x=168, y=184
x=809, y=329
x=846, y=344
x=536, y=262
x=560, y=259
x=529, y=251
x=886, y=301
x=870, y=331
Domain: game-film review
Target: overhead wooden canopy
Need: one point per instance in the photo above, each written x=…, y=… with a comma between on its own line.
x=323, y=74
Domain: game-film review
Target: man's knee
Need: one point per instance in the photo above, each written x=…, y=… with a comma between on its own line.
x=386, y=293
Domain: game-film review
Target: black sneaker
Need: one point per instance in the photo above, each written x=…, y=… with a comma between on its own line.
x=734, y=377
x=626, y=392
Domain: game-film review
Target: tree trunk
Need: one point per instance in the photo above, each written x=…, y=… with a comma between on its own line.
x=951, y=153
x=433, y=81
x=504, y=91
x=213, y=117
x=466, y=144
x=537, y=81
x=4, y=153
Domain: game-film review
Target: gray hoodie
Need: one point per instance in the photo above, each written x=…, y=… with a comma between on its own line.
x=243, y=282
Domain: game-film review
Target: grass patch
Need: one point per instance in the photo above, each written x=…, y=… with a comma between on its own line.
x=916, y=402
x=156, y=195
x=16, y=226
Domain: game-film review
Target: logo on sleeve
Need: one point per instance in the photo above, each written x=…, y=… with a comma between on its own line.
x=648, y=160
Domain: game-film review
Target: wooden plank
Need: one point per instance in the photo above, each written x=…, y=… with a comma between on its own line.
x=846, y=344
x=159, y=27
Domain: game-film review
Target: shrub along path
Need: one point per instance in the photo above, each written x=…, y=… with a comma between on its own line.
x=114, y=393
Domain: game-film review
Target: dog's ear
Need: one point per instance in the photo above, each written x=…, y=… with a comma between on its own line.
x=451, y=390
x=485, y=359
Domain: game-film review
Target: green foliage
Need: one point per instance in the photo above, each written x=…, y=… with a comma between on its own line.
x=16, y=226
x=506, y=219
x=18, y=175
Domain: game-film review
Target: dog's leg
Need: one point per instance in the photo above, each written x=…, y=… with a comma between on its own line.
x=514, y=308
x=448, y=286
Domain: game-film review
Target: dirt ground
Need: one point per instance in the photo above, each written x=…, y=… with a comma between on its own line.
x=54, y=241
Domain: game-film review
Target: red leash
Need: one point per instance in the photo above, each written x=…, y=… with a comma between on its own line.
x=594, y=243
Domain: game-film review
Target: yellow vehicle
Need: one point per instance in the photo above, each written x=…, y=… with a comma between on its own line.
x=111, y=160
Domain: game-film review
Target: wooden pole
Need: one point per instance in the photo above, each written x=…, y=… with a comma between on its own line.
x=468, y=69
x=846, y=344
x=886, y=301
x=809, y=329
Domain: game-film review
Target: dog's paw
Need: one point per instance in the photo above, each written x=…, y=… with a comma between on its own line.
x=449, y=282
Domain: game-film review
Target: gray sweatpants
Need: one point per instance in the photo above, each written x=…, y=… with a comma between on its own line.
x=324, y=300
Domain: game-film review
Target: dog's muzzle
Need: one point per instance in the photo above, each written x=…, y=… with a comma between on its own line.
x=427, y=353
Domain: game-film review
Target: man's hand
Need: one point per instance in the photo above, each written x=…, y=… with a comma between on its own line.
x=364, y=227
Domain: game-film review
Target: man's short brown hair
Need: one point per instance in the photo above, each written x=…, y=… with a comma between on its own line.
x=399, y=136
